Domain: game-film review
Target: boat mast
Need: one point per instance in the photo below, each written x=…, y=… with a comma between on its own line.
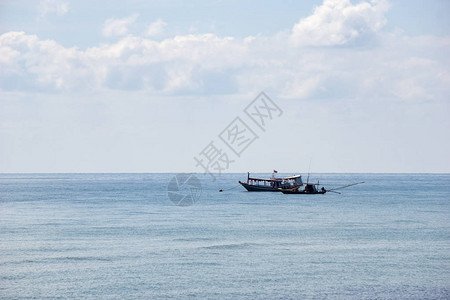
x=309, y=169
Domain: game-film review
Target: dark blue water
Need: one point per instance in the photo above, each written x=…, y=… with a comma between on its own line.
x=111, y=236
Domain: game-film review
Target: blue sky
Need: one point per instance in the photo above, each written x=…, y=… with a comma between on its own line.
x=144, y=86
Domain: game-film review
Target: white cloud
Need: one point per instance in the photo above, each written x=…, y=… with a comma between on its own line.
x=338, y=22
x=118, y=27
x=194, y=62
x=397, y=67
x=156, y=28
x=58, y=7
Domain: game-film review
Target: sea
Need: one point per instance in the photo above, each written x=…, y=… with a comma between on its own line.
x=162, y=236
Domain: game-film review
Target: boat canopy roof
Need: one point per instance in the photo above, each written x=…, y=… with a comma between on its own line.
x=275, y=179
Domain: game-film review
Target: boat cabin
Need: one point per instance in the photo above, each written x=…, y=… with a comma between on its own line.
x=310, y=188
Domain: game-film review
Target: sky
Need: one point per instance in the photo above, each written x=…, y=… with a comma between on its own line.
x=174, y=86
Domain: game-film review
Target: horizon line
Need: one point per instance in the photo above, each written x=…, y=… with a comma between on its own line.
x=215, y=173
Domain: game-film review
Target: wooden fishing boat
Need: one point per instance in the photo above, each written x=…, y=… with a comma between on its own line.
x=310, y=188
x=313, y=188
x=273, y=184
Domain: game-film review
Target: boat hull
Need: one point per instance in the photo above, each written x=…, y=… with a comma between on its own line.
x=302, y=192
x=305, y=191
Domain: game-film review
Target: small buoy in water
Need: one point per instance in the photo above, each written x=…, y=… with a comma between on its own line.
x=220, y=190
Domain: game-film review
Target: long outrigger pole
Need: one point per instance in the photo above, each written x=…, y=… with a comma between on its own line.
x=345, y=186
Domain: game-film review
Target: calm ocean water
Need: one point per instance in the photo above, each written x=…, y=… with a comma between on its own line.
x=111, y=236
